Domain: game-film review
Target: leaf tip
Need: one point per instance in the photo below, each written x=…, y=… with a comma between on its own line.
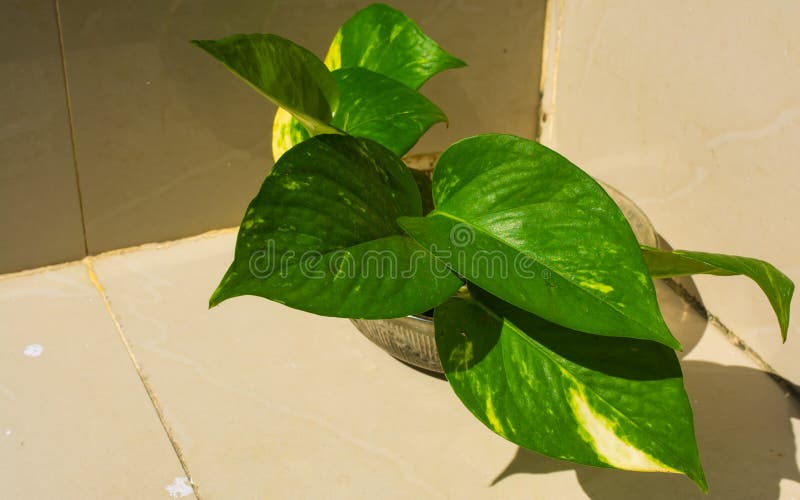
x=665, y=336
x=220, y=295
x=699, y=478
x=673, y=343
x=214, y=300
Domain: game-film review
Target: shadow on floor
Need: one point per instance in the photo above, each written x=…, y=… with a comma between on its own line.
x=742, y=421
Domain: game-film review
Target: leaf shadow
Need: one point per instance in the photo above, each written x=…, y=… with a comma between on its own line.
x=743, y=425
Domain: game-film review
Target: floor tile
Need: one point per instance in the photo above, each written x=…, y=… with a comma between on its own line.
x=266, y=401
x=75, y=420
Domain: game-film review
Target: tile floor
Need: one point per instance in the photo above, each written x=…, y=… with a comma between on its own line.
x=116, y=381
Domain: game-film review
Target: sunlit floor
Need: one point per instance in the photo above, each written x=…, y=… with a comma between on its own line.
x=117, y=381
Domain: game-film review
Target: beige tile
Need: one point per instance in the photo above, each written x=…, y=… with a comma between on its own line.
x=75, y=421
x=692, y=109
x=271, y=402
x=40, y=218
x=168, y=144
x=171, y=145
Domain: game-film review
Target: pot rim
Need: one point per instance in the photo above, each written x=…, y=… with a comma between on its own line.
x=426, y=319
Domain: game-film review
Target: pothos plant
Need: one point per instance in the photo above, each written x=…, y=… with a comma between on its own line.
x=545, y=312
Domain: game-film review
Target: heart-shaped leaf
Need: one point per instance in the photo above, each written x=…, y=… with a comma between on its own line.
x=609, y=402
x=524, y=223
x=321, y=235
x=379, y=108
x=284, y=72
x=372, y=106
x=776, y=285
x=384, y=40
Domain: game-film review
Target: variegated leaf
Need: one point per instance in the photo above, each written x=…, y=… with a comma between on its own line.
x=384, y=40
x=283, y=72
x=321, y=236
x=376, y=107
x=776, y=286
x=286, y=133
x=609, y=402
x=524, y=223
x=372, y=106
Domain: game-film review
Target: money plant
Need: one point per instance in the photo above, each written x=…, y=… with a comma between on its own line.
x=545, y=311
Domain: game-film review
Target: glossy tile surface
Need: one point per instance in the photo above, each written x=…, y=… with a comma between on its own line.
x=170, y=144
x=75, y=420
x=40, y=219
x=692, y=109
x=266, y=401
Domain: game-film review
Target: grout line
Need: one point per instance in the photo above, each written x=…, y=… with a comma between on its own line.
x=732, y=338
x=70, y=118
x=122, y=251
x=537, y=130
x=554, y=24
x=87, y=262
x=166, y=244
x=39, y=270
x=544, y=69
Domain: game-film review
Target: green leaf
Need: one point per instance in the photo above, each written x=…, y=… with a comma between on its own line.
x=602, y=401
x=522, y=222
x=372, y=106
x=283, y=72
x=776, y=285
x=379, y=108
x=384, y=40
x=321, y=235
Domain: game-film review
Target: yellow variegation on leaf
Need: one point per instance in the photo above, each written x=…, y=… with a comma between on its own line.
x=286, y=133
x=603, y=401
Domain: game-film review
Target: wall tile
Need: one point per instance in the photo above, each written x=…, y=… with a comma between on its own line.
x=171, y=145
x=40, y=219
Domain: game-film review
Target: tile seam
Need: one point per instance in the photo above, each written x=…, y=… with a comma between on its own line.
x=122, y=251
x=548, y=82
x=543, y=69
x=71, y=124
x=151, y=394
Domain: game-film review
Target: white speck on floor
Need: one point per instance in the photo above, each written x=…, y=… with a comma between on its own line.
x=33, y=350
x=180, y=487
x=8, y=432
